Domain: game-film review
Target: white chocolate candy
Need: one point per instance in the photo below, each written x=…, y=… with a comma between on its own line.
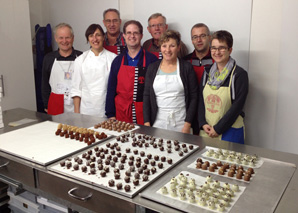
x=202, y=201
x=172, y=186
x=182, y=196
x=226, y=186
x=211, y=205
x=235, y=187
x=174, y=180
x=192, y=199
x=209, y=179
x=221, y=207
x=181, y=189
x=173, y=192
x=164, y=190
x=192, y=185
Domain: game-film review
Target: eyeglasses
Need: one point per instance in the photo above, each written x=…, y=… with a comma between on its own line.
x=220, y=49
x=195, y=37
x=114, y=21
x=132, y=33
x=156, y=25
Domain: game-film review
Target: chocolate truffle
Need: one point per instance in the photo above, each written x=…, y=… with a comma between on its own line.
x=137, y=176
x=145, y=178
x=170, y=161
x=204, y=166
x=117, y=175
x=92, y=171
x=160, y=165
x=84, y=168
x=99, y=166
x=102, y=173
x=153, y=170
x=136, y=182
x=127, y=188
x=111, y=183
x=127, y=179
x=76, y=167
x=163, y=159
x=119, y=186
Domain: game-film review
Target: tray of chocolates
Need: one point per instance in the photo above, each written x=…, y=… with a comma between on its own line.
x=114, y=127
x=47, y=142
x=229, y=170
x=192, y=193
x=228, y=156
x=79, y=134
x=125, y=164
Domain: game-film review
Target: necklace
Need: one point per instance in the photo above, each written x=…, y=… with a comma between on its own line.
x=69, y=64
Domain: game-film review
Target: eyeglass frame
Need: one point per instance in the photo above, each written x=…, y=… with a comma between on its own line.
x=220, y=49
x=132, y=33
x=202, y=36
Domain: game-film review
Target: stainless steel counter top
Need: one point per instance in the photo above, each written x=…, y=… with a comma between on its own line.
x=288, y=202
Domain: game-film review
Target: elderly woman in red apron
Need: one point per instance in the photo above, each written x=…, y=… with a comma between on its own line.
x=170, y=95
x=223, y=91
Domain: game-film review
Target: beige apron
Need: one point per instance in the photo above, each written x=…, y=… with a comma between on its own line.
x=217, y=103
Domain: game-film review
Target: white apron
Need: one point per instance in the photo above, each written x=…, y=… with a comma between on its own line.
x=60, y=81
x=95, y=74
x=170, y=99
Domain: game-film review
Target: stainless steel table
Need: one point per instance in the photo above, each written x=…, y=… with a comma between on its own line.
x=39, y=180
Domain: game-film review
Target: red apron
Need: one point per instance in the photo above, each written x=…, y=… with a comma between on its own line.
x=130, y=89
x=157, y=54
x=115, y=49
x=56, y=104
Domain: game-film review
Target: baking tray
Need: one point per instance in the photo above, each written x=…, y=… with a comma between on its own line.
x=97, y=180
x=200, y=186
x=39, y=144
x=262, y=194
x=258, y=161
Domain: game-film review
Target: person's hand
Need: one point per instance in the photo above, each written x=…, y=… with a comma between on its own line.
x=46, y=110
x=213, y=133
x=147, y=124
x=112, y=118
x=186, y=128
x=207, y=128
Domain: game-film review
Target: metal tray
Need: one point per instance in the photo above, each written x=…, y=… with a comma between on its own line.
x=262, y=194
x=39, y=144
x=97, y=180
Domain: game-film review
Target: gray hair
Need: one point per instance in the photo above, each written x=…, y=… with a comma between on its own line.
x=156, y=15
x=111, y=10
x=63, y=25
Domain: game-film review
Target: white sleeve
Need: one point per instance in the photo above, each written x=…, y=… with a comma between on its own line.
x=76, y=84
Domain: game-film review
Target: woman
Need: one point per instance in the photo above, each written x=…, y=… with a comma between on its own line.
x=91, y=73
x=223, y=92
x=170, y=95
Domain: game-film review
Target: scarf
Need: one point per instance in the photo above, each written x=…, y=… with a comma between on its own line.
x=216, y=78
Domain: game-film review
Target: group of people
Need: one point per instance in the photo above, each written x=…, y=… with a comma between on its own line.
x=155, y=84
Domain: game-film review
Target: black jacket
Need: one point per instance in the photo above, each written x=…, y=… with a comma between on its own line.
x=189, y=81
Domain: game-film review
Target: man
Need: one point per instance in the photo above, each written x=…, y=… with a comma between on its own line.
x=156, y=27
x=57, y=72
x=124, y=100
x=113, y=40
x=200, y=57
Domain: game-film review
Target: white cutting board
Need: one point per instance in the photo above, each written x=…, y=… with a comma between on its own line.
x=38, y=143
